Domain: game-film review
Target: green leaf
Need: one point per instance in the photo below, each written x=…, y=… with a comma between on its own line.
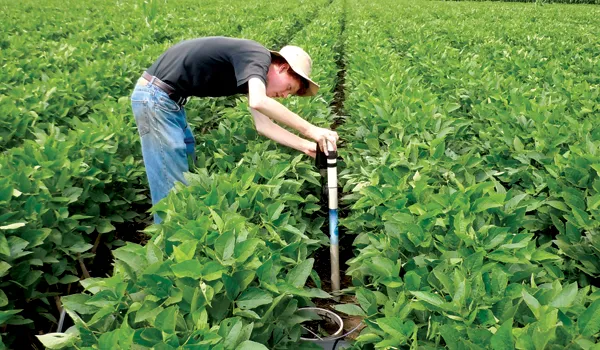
x=397, y=327
x=72, y=193
x=188, y=268
x=589, y=321
x=7, y=315
x=367, y=300
x=185, y=251
x=494, y=200
x=149, y=310
x=104, y=226
x=253, y=297
x=381, y=266
x=77, y=303
x=4, y=248
x=4, y=267
x=217, y=219
x=274, y=211
x=212, y=271
x=231, y=332
x=350, y=309
x=68, y=279
x=250, y=345
x=232, y=287
x=166, y=320
x=36, y=237
x=147, y=337
x=566, y=297
x=503, y=339
x=299, y=274
x=533, y=303
x=3, y=299
x=57, y=340
x=245, y=249
x=594, y=201
x=225, y=244
x=558, y=205
x=430, y=298
x=14, y=226
x=80, y=247
x=518, y=145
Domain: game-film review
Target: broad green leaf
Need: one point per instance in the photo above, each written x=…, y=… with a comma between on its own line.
x=185, y=251
x=533, y=304
x=381, y=267
x=188, y=268
x=232, y=334
x=104, y=226
x=57, y=340
x=225, y=244
x=558, y=205
x=566, y=297
x=7, y=315
x=589, y=321
x=14, y=226
x=367, y=300
x=4, y=267
x=494, y=200
x=3, y=299
x=350, y=309
x=149, y=310
x=212, y=271
x=396, y=327
x=82, y=247
x=245, y=249
x=147, y=337
x=166, y=320
x=503, y=338
x=274, y=210
x=253, y=297
x=250, y=345
x=4, y=248
x=68, y=279
x=430, y=298
x=77, y=303
x=299, y=274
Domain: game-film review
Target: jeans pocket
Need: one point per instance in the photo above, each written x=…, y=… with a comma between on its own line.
x=167, y=105
x=140, y=112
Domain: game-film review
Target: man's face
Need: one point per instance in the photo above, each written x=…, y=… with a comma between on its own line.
x=280, y=83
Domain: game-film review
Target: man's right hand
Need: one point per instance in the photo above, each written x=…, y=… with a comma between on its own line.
x=323, y=136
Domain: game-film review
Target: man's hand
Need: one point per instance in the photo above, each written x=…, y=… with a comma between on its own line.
x=323, y=136
x=263, y=107
x=311, y=149
x=266, y=127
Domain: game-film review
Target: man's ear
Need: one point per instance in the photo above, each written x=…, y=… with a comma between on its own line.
x=283, y=68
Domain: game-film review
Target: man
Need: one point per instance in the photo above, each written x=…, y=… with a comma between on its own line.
x=211, y=67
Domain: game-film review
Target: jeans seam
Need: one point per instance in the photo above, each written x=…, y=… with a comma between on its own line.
x=162, y=148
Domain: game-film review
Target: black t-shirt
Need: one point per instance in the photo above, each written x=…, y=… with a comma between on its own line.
x=212, y=66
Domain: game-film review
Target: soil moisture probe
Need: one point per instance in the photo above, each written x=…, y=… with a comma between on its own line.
x=327, y=165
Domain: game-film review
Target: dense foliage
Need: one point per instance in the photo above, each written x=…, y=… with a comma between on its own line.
x=469, y=167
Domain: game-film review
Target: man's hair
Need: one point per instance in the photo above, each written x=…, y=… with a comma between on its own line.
x=278, y=60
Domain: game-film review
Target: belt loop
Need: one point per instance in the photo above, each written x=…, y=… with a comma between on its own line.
x=152, y=80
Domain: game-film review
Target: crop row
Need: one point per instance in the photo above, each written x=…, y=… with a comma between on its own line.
x=473, y=178
x=72, y=183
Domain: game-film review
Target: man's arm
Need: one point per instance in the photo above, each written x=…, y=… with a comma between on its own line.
x=266, y=127
x=259, y=101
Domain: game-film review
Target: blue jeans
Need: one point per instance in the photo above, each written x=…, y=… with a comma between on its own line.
x=167, y=140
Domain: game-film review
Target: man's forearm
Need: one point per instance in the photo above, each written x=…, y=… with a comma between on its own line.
x=268, y=128
x=278, y=112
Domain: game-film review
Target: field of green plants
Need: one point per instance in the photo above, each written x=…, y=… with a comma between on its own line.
x=469, y=169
